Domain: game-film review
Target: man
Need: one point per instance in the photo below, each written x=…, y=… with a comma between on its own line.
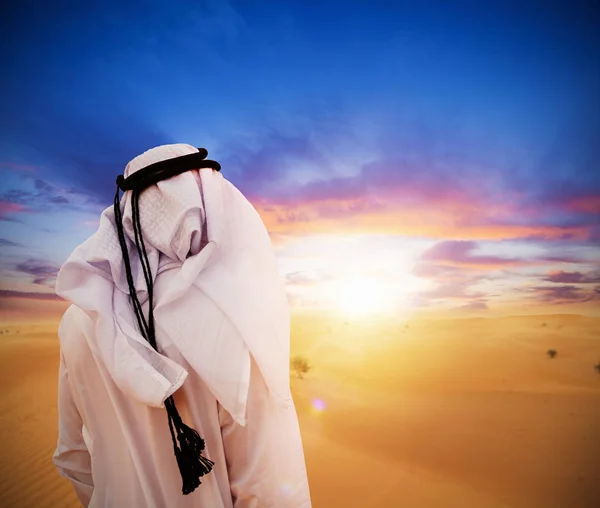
x=174, y=369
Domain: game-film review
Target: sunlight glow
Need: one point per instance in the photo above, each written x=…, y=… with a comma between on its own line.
x=357, y=276
x=361, y=296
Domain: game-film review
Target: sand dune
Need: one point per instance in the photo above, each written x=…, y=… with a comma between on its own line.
x=28, y=420
x=473, y=409
x=449, y=413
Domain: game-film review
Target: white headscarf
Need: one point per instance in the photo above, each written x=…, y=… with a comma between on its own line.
x=202, y=225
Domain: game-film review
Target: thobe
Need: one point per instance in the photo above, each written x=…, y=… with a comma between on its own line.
x=224, y=369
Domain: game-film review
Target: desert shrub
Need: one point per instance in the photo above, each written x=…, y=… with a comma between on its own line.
x=551, y=353
x=300, y=366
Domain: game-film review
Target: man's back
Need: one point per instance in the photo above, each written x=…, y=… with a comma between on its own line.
x=126, y=444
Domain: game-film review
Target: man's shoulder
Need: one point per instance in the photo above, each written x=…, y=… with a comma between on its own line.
x=73, y=323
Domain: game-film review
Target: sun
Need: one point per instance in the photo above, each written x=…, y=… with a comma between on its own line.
x=365, y=295
x=361, y=296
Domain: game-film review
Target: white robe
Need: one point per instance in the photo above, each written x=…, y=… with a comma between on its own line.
x=222, y=329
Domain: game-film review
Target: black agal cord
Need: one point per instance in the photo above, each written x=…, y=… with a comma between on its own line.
x=187, y=443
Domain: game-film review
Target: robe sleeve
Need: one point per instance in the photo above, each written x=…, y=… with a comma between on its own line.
x=265, y=459
x=72, y=458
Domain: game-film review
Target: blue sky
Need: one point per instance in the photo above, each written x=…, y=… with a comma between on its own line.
x=425, y=122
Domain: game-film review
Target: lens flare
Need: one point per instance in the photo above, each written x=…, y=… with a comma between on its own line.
x=318, y=405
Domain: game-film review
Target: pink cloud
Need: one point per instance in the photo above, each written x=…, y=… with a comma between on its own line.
x=461, y=253
x=589, y=204
x=455, y=269
x=8, y=208
x=451, y=283
x=572, y=277
x=404, y=212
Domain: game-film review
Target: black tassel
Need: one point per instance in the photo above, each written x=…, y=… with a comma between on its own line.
x=188, y=449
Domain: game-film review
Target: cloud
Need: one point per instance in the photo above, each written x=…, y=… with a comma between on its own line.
x=59, y=200
x=564, y=294
x=440, y=272
x=461, y=253
x=436, y=188
x=8, y=209
x=293, y=178
x=34, y=194
x=277, y=166
x=42, y=185
x=561, y=259
x=43, y=272
x=455, y=270
x=303, y=278
x=550, y=187
x=379, y=200
x=451, y=283
x=451, y=291
x=584, y=203
x=295, y=300
x=8, y=243
x=293, y=217
x=572, y=277
x=474, y=305
x=9, y=293
x=374, y=215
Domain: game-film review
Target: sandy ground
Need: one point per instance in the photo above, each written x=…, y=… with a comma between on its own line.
x=457, y=413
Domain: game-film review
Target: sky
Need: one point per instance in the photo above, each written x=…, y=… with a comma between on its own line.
x=404, y=156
